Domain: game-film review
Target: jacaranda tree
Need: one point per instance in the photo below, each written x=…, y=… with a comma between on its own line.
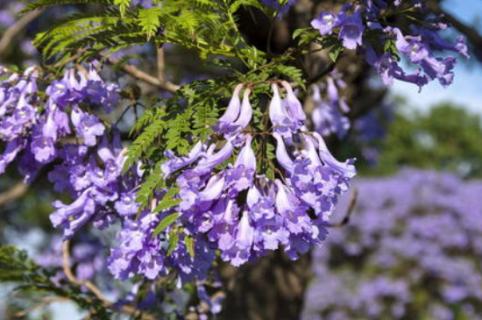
x=189, y=143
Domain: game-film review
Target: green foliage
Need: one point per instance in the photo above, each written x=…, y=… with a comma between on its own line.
x=155, y=124
x=173, y=241
x=38, y=4
x=446, y=138
x=189, y=243
x=153, y=181
x=168, y=201
x=123, y=5
x=32, y=280
x=207, y=26
x=149, y=21
x=166, y=222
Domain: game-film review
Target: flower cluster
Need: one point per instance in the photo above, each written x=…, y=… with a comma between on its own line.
x=328, y=115
x=226, y=204
x=412, y=251
x=33, y=128
x=362, y=27
x=96, y=182
x=140, y=251
x=240, y=210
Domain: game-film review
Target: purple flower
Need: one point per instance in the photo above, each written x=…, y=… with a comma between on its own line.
x=175, y=163
x=325, y=23
x=327, y=115
x=413, y=47
x=138, y=250
x=225, y=123
x=351, y=30
x=87, y=126
x=43, y=148
x=283, y=122
x=10, y=153
x=72, y=217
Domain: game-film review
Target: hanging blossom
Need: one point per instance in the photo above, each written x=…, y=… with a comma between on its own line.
x=36, y=130
x=241, y=212
x=328, y=115
x=96, y=182
x=417, y=43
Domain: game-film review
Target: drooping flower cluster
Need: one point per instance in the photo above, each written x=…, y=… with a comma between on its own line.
x=88, y=166
x=141, y=251
x=361, y=27
x=240, y=210
x=96, y=182
x=328, y=113
x=413, y=251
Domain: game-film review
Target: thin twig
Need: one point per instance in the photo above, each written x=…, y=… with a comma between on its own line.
x=13, y=194
x=16, y=28
x=130, y=310
x=143, y=76
x=329, y=68
x=161, y=64
x=349, y=211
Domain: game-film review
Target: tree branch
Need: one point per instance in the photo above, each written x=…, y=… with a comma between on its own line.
x=17, y=191
x=130, y=310
x=161, y=65
x=16, y=28
x=143, y=76
x=328, y=69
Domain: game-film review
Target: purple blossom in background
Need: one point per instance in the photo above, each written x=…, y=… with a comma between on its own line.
x=328, y=113
x=422, y=227
x=325, y=23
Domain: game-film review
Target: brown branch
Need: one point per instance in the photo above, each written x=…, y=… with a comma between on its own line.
x=130, y=310
x=17, y=191
x=161, y=64
x=143, y=76
x=328, y=69
x=16, y=28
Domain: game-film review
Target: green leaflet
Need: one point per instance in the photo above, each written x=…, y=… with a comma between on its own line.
x=173, y=241
x=189, y=243
x=166, y=222
x=168, y=201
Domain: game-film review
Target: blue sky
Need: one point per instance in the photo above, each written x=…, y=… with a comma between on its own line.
x=466, y=89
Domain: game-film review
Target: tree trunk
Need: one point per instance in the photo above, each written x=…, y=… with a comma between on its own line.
x=271, y=289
